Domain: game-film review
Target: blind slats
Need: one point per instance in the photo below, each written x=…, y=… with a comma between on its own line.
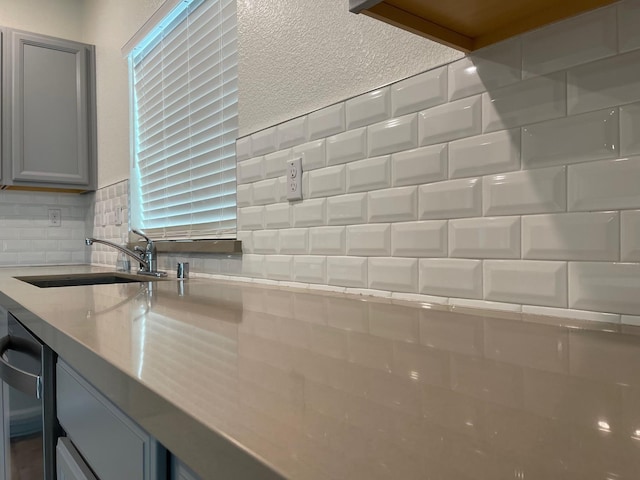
x=186, y=121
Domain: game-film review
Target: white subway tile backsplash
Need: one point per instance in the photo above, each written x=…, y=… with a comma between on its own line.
x=605, y=287
x=571, y=236
x=575, y=41
x=264, y=141
x=524, y=281
x=277, y=215
x=422, y=165
x=347, y=271
x=250, y=170
x=250, y=218
x=458, y=303
x=346, y=147
x=310, y=213
x=265, y=192
x=451, y=199
x=628, y=20
x=275, y=164
x=395, y=274
x=369, y=174
x=278, y=267
x=629, y=128
x=347, y=209
x=458, y=119
x=243, y=149
x=327, y=240
x=567, y=313
x=327, y=182
x=328, y=121
x=419, y=92
x=419, y=239
x=393, y=205
x=313, y=154
x=253, y=265
x=485, y=154
x=369, y=240
x=369, y=108
x=281, y=189
x=530, y=101
x=266, y=241
x=294, y=241
x=530, y=191
x=605, y=83
x=630, y=236
x=605, y=185
x=310, y=269
x=244, y=195
x=449, y=277
x=581, y=138
x=393, y=135
x=485, y=237
x=487, y=69
x=293, y=132
x=247, y=241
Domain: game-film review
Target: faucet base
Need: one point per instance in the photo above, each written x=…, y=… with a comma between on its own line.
x=152, y=274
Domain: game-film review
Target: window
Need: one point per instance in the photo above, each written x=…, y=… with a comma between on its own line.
x=185, y=123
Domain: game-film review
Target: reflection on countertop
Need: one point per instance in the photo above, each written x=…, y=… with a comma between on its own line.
x=321, y=386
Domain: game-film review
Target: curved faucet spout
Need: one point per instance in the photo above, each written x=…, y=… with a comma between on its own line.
x=90, y=241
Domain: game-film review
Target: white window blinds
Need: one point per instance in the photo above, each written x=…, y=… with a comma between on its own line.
x=185, y=96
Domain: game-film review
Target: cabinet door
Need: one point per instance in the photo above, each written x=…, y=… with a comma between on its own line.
x=69, y=463
x=179, y=471
x=51, y=113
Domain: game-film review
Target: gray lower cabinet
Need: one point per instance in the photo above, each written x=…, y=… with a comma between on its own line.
x=113, y=446
x=69, y=463
x=49, y=127
x=179, y=471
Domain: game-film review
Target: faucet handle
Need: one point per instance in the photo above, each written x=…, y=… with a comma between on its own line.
x=139, y=233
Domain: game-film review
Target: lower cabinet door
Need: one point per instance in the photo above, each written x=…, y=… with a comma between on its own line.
x=179, y=471
x=69, y=463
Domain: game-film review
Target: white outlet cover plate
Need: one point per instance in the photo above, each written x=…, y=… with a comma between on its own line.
x=294, y=179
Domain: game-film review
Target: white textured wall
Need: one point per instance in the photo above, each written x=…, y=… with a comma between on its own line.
x=300, y=55
x=60, y=18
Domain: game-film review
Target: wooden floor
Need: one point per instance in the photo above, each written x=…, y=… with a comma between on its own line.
x=26, y=458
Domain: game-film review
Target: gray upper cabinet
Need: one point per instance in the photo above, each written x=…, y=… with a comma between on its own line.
x=51, y=86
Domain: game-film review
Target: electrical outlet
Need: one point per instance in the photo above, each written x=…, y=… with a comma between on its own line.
x=118, y=215
x=55, y=217
x=294, y=179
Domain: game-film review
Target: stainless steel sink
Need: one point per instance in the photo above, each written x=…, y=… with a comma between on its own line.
x=78, y=279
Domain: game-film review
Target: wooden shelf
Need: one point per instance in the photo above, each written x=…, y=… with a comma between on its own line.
x=471, y=24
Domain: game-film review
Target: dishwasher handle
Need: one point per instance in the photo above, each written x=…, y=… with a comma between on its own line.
x=19, y=379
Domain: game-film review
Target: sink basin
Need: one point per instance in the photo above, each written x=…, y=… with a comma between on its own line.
x=78, y=279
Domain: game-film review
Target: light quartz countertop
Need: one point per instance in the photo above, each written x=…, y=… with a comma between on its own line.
x=251, y=382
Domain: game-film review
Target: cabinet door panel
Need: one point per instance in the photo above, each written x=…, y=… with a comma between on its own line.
x=69, y=463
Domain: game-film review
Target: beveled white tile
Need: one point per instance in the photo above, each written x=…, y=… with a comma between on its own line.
x=395, y=274
x=630, y=236
x=485, y=237
x=328, y=121
x=629, y=128
x=347, y=146
x=327, y=181
x=393, y=204
x=531, y=191
x=294, y=241
x=275, y=164
x=293, y=132
x=604, y=286
x=310, y=269
x=572, y=42
x=347, y=271
x=568, y=313
x=250, y=170
x=422, y=165
x=606, y=83
x=485, y=154
x=247, y=241
x=605, y=185
x=458, y=303
x=369, y=174
x=278, y=267
x=265, y=141
x=630, y=320
x=628, y=21
x=419, y=92
x=451, y=277
x=451, y=199
x=327, y=240
x=277, y=215
x=250, y=218
x=253, y=265
x=369, y=108
x=487, y=69
x=571, y=236
x=265, y=192
x=281, y=189
x=266, y=241
x=575, y=139
x=525, y=281
x=347, y=209
x=368, y=240
x=458, y=119
x=244, y=195
x=419, y=239
x=309, y=213
x=244, y=151
x=530, y=101
x=393, y=135
x=313, y=154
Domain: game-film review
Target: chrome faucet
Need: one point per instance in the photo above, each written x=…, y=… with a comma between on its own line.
x=146, y=257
